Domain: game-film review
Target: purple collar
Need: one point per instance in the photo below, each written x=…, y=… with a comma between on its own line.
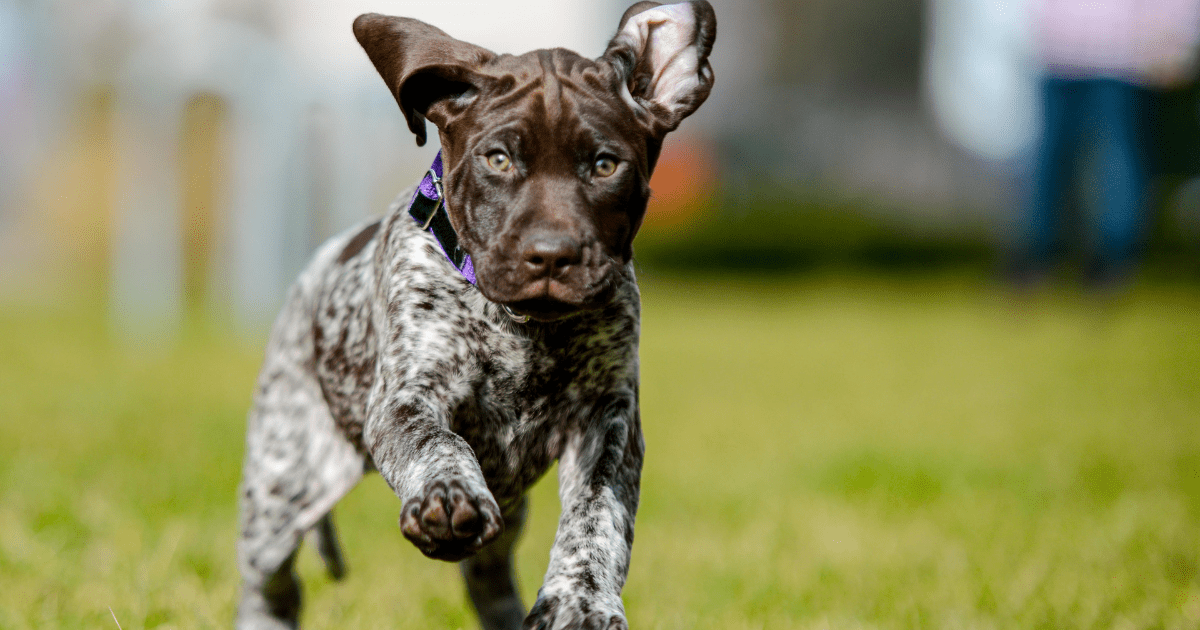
x=428, y=209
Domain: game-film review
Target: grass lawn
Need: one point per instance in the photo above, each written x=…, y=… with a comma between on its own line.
x=828, y=452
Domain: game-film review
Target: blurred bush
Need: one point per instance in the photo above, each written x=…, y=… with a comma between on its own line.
x=776, y=229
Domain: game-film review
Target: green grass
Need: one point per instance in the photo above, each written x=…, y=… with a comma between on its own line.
x=829, y=452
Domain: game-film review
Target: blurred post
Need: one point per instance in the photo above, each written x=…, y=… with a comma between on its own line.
x=239, y=65
x=147, y=290
x=981, y=77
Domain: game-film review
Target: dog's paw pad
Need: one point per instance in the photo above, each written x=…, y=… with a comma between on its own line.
x=604, y=621
x=569, y=612
x=449, y=522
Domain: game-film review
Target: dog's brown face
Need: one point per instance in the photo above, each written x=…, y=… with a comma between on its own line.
x=548, y=155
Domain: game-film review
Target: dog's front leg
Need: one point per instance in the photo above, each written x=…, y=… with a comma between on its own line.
x=447, y=510
x=599, y=476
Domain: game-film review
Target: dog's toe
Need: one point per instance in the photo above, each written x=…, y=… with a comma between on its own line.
x=434, y=519
x=465, y=520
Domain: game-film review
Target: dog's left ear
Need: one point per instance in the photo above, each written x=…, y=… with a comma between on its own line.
x=431, y=74
x=662, y=52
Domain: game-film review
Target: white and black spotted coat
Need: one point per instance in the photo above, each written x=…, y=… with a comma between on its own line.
x=419, y=377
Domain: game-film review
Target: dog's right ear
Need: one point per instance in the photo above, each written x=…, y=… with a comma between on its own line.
x=431, y=74
x=661, y=52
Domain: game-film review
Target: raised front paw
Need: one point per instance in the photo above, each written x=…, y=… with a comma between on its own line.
x=574, y=613
x=447, y=521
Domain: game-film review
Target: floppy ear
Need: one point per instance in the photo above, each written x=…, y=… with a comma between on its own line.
x=431, y=74
x=662, y=50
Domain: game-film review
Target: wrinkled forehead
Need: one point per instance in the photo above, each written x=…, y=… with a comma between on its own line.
x=556, y=92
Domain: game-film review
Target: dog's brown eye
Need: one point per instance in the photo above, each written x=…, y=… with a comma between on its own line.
x=499, y=161
x=604, y=167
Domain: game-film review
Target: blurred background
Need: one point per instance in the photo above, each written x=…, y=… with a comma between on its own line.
x=925, y=269
x=177, y=154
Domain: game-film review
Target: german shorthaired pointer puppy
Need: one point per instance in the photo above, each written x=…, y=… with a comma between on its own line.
x=485, y=327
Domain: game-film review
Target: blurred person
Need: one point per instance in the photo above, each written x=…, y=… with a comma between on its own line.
x=1100, y=57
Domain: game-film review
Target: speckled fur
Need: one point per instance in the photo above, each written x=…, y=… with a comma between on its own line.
x=384, y=358
x=389, y=360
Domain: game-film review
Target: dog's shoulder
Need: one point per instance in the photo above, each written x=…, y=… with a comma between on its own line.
x=380, y=260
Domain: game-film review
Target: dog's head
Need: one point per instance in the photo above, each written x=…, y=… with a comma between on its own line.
x=548, y=155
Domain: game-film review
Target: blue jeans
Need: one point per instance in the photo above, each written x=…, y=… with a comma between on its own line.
x=1104, y=115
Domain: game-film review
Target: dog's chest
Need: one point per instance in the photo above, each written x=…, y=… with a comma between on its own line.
x=533, y=390
x=512, y=391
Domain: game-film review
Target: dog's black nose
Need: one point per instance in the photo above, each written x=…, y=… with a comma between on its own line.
x=548, y=254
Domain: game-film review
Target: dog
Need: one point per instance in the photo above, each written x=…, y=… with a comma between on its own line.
x=484, y=328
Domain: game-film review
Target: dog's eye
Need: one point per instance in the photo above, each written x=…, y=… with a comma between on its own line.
x=499, y=161
x=604, y=167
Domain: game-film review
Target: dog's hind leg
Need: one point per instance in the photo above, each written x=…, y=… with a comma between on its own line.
x=298, y=465
x=273, y=601
x=329, y=548
x=491, y=580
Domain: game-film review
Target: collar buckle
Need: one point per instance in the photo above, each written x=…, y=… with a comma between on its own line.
x=441, y=198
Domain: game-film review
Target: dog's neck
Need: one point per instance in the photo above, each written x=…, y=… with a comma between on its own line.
x=428, y=209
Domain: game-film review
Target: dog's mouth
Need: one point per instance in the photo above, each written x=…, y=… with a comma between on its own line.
x=547, y=299
x=543, y=309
